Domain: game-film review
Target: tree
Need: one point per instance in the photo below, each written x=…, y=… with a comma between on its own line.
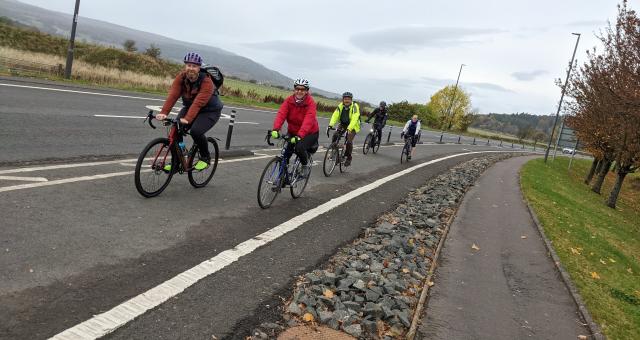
x=130, y=45
x=606, y=102
x=461, y=114
x=153, y=51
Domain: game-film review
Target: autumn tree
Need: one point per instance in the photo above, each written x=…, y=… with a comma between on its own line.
x=460, y=116
x=606, y=102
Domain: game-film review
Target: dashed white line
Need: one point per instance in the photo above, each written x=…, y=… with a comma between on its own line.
x=26, y=179
x=96, y=177
x=105, y=323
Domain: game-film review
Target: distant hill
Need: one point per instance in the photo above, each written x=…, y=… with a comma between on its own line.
x=514, y=123
x=100, y=32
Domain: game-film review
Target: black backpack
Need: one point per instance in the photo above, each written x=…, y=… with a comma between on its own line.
x=216, y=75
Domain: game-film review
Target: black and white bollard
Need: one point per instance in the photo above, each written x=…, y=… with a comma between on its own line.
x=474, y=141
x=389, y=135
x=459, y=139
x=230, y=130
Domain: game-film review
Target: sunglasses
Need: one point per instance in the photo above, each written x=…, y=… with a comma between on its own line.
x=300, y=89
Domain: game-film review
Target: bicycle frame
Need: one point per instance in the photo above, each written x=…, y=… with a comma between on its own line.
x=284, y=156
x=172, y=135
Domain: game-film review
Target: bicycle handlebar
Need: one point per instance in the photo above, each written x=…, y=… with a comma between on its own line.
x=268, y=138
x=167, y=121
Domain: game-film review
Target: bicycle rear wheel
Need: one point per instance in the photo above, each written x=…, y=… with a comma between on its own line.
x=299, y=178
x=367, y=144
x=343, y=168
x=405, y=153
x=270, y=183
x=331, y=157
x=151, y=177
x=199, y=179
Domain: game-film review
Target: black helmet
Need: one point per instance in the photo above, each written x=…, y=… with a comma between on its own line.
x=347, y=94
x=383, y=104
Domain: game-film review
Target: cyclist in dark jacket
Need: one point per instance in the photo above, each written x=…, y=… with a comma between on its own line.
x=380, y=116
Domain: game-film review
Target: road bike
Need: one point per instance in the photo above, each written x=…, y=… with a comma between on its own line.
x=372, y=141
x=335, y=152
x=284, y=170
x=163, y=157
x=405, y=156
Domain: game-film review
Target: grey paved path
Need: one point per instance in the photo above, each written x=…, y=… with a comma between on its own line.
x=509, y=288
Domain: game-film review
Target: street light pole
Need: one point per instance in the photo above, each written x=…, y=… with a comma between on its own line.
x=564, y=88
x=67, y=70
x=455, y=90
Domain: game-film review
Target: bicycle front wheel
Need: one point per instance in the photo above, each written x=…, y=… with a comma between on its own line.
x=270, y=183
x=154, y=168
x=331, y=157
x=200, y=178
x=405, y=153
x=367, y=144
x=299, y=177
x=376, y=143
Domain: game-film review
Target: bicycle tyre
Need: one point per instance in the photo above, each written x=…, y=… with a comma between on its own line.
x=200, y=179
x=376, y=144
x=297, y=186
x=155, y=169
x=266, y=193
x=405, y=153
x=331, y=157
x=341, y=165
x=367, y=144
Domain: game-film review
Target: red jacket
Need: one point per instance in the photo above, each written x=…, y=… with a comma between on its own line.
x=301, y=118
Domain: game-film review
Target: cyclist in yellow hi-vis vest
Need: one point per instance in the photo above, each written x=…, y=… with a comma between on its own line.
x=347, y=115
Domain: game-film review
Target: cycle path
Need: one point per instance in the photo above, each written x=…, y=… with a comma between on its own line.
x=507, y=288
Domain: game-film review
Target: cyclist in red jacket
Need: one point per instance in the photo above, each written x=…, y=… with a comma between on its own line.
x=299, y=111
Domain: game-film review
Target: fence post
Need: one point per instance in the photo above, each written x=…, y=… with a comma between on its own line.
x=389, y=135
x=230, y=130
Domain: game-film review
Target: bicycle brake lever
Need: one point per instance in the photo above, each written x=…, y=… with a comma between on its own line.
x=149, y=119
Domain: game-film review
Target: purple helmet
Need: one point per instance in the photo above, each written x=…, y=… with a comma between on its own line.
x=193, y=58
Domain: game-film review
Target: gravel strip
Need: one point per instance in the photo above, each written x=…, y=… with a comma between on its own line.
x=370, y=288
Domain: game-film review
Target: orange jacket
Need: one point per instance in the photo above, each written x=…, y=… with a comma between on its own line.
x=192, y=97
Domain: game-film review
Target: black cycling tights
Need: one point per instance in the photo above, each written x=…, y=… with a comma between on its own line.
x=204, y=122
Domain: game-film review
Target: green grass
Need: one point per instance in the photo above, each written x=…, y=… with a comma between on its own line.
x=599, y=246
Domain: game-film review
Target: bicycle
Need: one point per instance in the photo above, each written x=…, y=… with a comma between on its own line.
x=372, y=141
x=163, y=157
x=335, y=153
x=281, y=171
x=405, y=156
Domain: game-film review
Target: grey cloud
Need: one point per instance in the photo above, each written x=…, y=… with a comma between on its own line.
x=296, y=52
x=586, y=23
x=399, y=39
x=528, y=76
x=438, y=83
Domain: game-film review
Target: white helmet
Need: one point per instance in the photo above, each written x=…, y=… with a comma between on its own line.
x=301, y=82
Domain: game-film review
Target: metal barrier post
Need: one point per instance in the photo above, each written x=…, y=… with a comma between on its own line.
x=230, y=130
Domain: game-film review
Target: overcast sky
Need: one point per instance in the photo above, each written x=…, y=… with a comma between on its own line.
x=386, y=50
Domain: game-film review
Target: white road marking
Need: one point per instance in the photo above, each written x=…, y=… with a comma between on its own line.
x=115, y=116
x=80, y=92
x=26, y=179
x=107, y=322
x=100, y=176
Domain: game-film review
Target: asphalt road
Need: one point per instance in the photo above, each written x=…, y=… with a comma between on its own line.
x=76, y=239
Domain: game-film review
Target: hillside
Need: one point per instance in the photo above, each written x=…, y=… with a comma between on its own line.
x=104, y=33
x=512, y=124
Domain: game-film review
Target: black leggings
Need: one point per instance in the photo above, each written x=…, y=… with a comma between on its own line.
x=204, y=122
x=302, y=146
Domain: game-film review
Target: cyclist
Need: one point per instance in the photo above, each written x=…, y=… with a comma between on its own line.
x=380, y=116
x=201, y=106
x=347, y=114
x=299, y=111
x=411, y=130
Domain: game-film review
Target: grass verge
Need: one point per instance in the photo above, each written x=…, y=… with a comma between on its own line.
x=599, y=246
